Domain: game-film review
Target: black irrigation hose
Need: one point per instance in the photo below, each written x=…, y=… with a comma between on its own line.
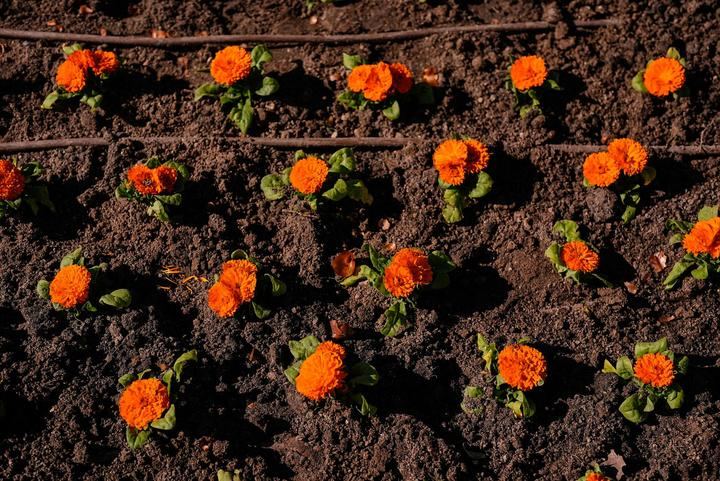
x=141, y=41
x=318, y=143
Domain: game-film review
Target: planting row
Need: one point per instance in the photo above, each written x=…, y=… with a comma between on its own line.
x=238, y=77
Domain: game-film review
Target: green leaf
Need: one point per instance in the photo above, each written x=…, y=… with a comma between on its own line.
x=471, y=392
x=673, y=53
x=299, y=154
x=69, y=49
x=352, y=100
x=608, y=368
x=365, y=408
x=642, y=348
x=242, y=117
x=351, y=61
x=166, y=422
x=342, y=161
x=119, y=299
x=260, y=56
x=452, y=214
x=239, y=254
x=482, y=187
x=377, y=261
x=260, y=311
x=677, y=272
x=567, y=228
x=633, y=409
x=683, y=364
x=363, y=374
x=700, y=272
x=73, y=258
x=136, y=439
x=440, y=262
x=278, y=287
x=629, y=213
x=395, y=319
x=708, y=212
x=92, y=101
x=422, y=94
x=637, y=82
x=302, y=349
x=179, y=365
x=50, y=100
x=172, y=199
x=126, y=379
x=228, y=476
x=39, y=195
x=337, y=192
x=392, y=112
x=157, y=210
x=43, y=289
x=273, y=187
x=648, y=175
x=553, y=253
x=674, y=397
x=357, y=191
x=269, y=87
x=292, y=372
x=624, y=368
x=209, y=89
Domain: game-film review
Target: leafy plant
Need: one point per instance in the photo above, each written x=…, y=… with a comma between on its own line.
x=659, y=383
x=34, y=194
x=638, y=81
x=585, y=271
x=525, y=101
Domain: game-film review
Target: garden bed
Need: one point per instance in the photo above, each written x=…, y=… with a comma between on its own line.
x=58, y=374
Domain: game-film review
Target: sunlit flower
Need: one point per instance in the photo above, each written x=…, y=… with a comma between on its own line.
x=231, y=65
x=577, y=256
x=522, y=367
x=323, y=372
x=664, y=76
x=655, y=369
x=71, y=286
x=143, y=401
x=528, y=72
x=12, y=182
x=704, y=238
x=408, y=269
x=308, y=175
x=629, y=155
x=600, y=169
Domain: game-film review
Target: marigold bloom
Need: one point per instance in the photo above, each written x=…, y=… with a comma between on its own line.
x=478, y=156
x=629, y=155
x=655, y=369
x=166, y=178
x=231, y=65
x=402, y=77
x=104, y=63
x=358, y=77
x=378, y=83
x=322, y=372
x=704, y=238
x=241, y=277
x=595, y=476
x=223, y=300
x=82, y=58
x=70, y=76
x=143, y=402
x=522, y=367
x=528, y=72
x=600, y=169
x=577, y=256
x=449, y=159
x=308, y=175
x=144, y=180
x=12, y=182
x=71, y=286
x=408, y=269
x=664, y=76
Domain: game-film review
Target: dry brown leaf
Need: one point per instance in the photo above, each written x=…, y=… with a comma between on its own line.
x=340, y=329
x=384, y=224
x=85, y=10
x=616, y=461
x=431, y=77
x=658, y=261
x=666, y=318
x=103, y=32
x=631, y=287
x=156, y=33
x=343, y=264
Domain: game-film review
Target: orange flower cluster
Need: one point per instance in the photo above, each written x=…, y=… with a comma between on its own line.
x=522, y=367
x=231, y=65
x=704, y=238
x=408, y=269
x=323, y=372
x=12, y=182
x=595, y=476
x=147, y=181
x=308, y=175
x=655, y=369
x=378, y=81
x=623, y=156
x=143, y=402
x=528, y=72
x=72, y=74
x=577, y=256
x=71, y=286
x=664, y=76
x=454, y=159
x=235, y=286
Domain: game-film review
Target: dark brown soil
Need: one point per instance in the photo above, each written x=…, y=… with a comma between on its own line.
x=58, y=374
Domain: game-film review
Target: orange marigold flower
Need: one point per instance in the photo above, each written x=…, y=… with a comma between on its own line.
x=379, y=82
x=358, y=77
x=528, y=72
x=600, y=169
x=143, y=402
x=595, y=476
x=629, y=155
x=402, y=77
x=664, y=76
x=12, y=182
x=322, y=372
x=577, y=256
x=704, y=238
x=144, y=180
x=449, y=159
x=231, y=65
x=241, y=277
x=308, y=175
x=478, y=156
x=166, y=178
x=82, y=58
x=655, y=369
x=223, y=300
x=408, y=269
x=71, y=286
x=104, y=63
x=70, y=76
x=522, y=367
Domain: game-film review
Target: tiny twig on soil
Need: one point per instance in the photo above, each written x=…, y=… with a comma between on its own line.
x=320, y=143
x=141, y=41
